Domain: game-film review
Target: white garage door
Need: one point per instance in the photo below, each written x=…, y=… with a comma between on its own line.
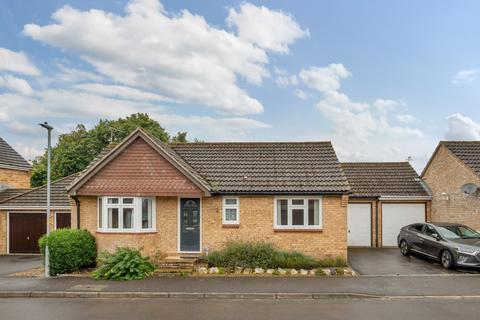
x=359, y=225
x=397, y=215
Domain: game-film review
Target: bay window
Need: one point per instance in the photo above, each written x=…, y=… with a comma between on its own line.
x=298, y=213
x=126, y=214
x=231, y=210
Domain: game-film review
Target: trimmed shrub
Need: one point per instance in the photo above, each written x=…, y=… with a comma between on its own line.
x=123, y=264
x=294, y=260
x=69, y=250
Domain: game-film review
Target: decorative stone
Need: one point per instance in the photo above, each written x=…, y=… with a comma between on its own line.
x=327, y=271
x=259, y=270
x=281, y=271
x=202, y=270
x=303, y=272
x=213, y=270
x=247, y=271
x=333, y=271
x=293, y=272
x=270, y=271
x=238, y=270
x=312, y=272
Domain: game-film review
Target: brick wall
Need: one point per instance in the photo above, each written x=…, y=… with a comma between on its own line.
x=447, y=173
x=15, y=178
x=256, y=223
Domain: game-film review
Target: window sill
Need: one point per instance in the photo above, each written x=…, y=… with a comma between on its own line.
x=297, y=230
x=126, y=232
x=231, y=225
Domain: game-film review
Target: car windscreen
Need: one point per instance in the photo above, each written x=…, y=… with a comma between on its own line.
x=457, y=232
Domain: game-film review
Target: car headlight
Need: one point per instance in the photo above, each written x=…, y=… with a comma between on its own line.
x=467, y=250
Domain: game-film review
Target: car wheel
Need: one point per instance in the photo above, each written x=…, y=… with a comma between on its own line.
x=446, y=259
x=404, y=249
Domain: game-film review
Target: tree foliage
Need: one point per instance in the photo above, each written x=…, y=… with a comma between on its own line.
x=75, y=150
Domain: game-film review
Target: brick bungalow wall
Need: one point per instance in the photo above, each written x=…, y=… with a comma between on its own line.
x=447, y=173
x=15, y=178
x=256, y=223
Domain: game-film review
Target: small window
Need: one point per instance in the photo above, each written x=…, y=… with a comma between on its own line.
x=100, y=213
x=146, y=213
x=112, y=200
x=231, y=211
x=297, y=202
x=127, y=200
x=298, y=213
x=126, y=214
x=282, y=212
x=113, y=218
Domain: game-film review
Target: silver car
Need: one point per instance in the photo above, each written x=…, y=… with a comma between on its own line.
x=453, y=245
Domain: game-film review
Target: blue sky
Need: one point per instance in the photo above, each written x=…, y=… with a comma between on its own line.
x=382, y=80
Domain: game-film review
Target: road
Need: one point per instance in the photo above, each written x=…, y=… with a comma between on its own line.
x=392, y=309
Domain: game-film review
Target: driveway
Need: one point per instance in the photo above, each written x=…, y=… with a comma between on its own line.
x=389, y=261
x=15, y=263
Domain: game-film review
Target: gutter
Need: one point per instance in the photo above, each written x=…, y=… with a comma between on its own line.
x=77, y=204
x=404, y=198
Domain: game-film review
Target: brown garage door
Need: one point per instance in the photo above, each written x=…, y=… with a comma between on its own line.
x=24, y=231
x=63, y=220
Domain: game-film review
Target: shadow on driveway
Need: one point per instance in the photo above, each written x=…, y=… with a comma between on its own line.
x=15, y=263
x=389, y=261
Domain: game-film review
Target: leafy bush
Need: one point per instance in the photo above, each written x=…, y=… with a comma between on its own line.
x=332, y=262
x=69, y=250
x=123, y=264
x=260, y=254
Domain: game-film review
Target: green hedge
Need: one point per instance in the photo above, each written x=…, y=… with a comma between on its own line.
x=265, y=255
x=70, y=250
x=123, y=264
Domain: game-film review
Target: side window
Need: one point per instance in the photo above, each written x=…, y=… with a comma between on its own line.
x=416, y=227
x=429, y=231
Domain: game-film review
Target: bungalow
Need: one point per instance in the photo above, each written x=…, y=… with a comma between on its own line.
x=453, y=175
x=385, y=196
x=190, y=198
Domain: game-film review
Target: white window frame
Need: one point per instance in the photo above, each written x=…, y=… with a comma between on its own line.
x=137, y=214
x=305, y=226
x=230, y=206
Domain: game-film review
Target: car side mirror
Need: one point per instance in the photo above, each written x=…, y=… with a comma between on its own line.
x=436, y=236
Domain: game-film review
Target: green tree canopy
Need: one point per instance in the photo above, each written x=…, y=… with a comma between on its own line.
x=75, y=150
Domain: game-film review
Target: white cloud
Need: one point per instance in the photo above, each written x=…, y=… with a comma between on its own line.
x=23, y=129
x=120, y=92
x=324, y=79
x=68, y=74
x=29, y=152
x=385, y=105
x=16, y=84
x=179, y=56
x=300, y=94
x=406, y=118
x=17, y=62
x=462, y=128
x=465, y=76
x=269, y=29
x=286, y=81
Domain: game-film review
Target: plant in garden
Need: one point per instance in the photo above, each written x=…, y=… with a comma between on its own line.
x=123, y=264
x=69, y=250
x=332, y=262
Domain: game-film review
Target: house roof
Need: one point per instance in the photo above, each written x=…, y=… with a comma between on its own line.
x=266, y=167
x=37, y=198
x=10, y=159
x=379, y=179
x=10, y=193
x=466, y=151
x=246, y=167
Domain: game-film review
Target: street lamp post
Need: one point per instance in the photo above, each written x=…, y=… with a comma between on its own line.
x=49, y=155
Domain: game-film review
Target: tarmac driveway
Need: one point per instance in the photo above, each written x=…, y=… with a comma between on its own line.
x=389, y=261
x=15, y=263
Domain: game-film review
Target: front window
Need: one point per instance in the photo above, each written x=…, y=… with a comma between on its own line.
x=457, y=232
x=231, y=210
x=126, y=214
x=299, y=213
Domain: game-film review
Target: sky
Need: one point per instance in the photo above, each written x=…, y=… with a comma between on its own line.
x=382, y=80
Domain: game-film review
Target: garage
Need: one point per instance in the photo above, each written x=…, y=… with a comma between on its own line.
x=397, y=215
x=25, y=229
x=359, y=222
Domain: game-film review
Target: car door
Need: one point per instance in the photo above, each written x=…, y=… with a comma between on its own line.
x=430, y=244
x=413, y=235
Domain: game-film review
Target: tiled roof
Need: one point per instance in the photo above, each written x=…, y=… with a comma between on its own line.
x=9, y=158
x=10, y=193
x=376, y=179
x=38, y=197
x=264, y=167
x=467, y=151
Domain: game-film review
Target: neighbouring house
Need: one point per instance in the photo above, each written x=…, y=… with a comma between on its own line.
x=15, y=171
x=23, y=216
x=385, y=196
x=453, y=165
x=190, y=198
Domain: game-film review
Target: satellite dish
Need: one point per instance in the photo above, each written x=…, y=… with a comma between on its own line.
x=469, y=188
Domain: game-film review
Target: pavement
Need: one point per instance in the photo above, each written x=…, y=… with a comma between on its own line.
x=15, y=263
x=119, y=309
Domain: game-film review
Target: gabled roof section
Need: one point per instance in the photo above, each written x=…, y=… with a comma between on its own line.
x=380, y=179
x=37, y=198
x=467, y=151
x=266, y=167
x=163, y=149
x=10, y=193
x=11, y=159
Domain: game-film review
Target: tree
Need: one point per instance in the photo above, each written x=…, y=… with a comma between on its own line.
x=180, y=137
x=75, y=150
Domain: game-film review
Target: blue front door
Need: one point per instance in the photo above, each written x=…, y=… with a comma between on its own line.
x=190, y=224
